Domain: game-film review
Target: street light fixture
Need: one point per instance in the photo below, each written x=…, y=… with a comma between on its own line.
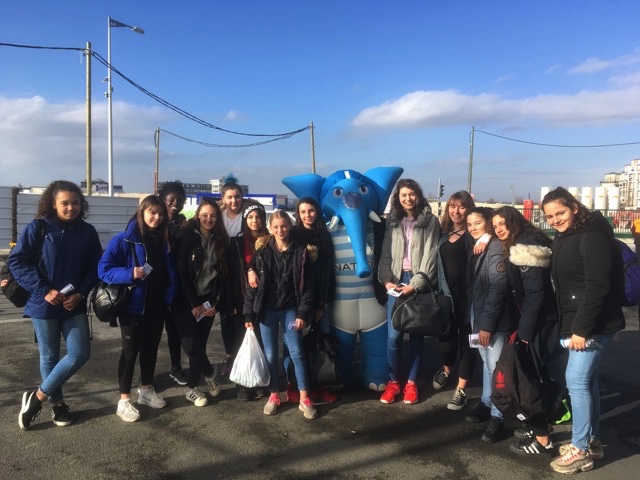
x=109, y=94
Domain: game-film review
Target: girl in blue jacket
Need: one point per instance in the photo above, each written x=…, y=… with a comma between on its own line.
x=140, y=257
x=55, y=260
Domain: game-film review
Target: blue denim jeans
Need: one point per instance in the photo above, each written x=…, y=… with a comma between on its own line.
x=582, y=382
x=55, y=371
x=394, y=343
x=490, y=357
x=273, y=320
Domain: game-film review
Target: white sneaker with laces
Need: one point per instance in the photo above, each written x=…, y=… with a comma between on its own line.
x=149, y=397
x=213, y=384
x=197, y=397
x=127, y=412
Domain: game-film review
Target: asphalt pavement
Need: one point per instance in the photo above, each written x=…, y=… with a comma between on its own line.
x=356, y=438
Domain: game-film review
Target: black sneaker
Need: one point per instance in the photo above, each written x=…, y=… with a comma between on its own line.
x=243, y=394
x=178, y=376
x=481, y=413
x=440, y=379
x=493, y=431
x=31, y=407
x=531, y=447
x=526, y=433
x=60, y=415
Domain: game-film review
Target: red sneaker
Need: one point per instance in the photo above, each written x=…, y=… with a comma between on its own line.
x=391, y=390
x=411, y=393
x=321, y=395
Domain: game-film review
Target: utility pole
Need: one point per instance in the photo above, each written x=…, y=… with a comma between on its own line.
x=471, y=136
x=313, y=150
x=156, y=174
x=88, y=173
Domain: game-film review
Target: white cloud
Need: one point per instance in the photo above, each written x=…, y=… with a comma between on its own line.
x=42, y=141
x=630, y=80
x=425, y=109
x=234, y=116
x=595, y=65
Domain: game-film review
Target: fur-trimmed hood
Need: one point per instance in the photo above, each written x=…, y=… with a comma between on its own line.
x=312, y=250
x=530, y=255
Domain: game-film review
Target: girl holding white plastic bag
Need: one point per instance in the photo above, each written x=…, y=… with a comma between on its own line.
x=283, y=298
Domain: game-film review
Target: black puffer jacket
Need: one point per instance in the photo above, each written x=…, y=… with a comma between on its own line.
x=587, y=271
x=488, y=285
x=264, y=264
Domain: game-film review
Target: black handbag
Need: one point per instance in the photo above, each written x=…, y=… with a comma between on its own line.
x=422, y=313
x=108, y=300
x=321, y=350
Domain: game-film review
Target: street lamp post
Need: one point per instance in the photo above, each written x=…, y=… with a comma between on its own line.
x=110, y=24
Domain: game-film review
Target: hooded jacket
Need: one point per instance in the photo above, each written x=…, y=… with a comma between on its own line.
x=117, y=263
x=587, y=271
x=70, y=254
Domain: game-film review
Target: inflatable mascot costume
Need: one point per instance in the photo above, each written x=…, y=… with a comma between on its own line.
x=354, y=203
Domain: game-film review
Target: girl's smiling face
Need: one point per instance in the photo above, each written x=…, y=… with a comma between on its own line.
x=477, y=225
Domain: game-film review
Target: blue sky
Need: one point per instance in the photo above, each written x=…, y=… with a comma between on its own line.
x=385, y=83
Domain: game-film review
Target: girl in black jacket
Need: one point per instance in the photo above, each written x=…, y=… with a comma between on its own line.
x=587, y=271
x=528, y=261
x=201, y=247
x=283, y=299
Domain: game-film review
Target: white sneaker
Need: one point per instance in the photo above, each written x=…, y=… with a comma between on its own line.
x=197, y=397
x=213, y=384
x=127, y=412
x=149, y=397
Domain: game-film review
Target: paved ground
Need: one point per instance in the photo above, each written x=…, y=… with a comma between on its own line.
x=358, y=437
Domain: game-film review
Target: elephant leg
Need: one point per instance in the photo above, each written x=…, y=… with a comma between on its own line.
x=345, y=355
x=375, y=368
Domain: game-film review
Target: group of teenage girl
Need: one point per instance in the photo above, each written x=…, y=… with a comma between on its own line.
x=502, y=274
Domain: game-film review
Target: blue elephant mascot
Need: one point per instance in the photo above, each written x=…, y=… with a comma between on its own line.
x=354, y=202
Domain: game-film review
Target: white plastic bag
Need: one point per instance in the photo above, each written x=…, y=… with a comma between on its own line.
x=250, y=367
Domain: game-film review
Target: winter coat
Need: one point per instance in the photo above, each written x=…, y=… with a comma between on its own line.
x=529, y=272
x=426, y=232
x=190, y=258
x=489, y=300
x=587, y=271
x=70, y=252
x=263, y=263
x=126, y=251
x=323, y=267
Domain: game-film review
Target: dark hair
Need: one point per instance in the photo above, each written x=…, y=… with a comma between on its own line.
x=163, y=231
x=563, y=196
x=487, y=214
x=319, y=223
x=517, y=225
x=230, y=186
x=45, y=205
x=464, y=199
x=172, y=187
x=421, y=203
x=249, y=205
x=218, y=235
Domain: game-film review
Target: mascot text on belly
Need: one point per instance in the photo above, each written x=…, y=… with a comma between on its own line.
x=354, y=203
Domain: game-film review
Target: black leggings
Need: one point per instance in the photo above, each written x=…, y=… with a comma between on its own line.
x=173, y=340
x=194, y=336
x=140, y=334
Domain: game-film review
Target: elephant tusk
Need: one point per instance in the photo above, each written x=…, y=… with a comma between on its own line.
x=374, y=216
x=334, y=221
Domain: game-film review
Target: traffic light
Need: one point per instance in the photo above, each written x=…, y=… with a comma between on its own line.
x=441, y=193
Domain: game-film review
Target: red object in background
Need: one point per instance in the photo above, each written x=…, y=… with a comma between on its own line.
x=528, y=209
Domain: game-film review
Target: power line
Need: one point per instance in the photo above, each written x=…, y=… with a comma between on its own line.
x=99, y=58
x=555, y=145
x=227, y=146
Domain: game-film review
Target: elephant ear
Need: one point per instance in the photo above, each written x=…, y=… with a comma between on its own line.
x=305, y=185
x=383, y=180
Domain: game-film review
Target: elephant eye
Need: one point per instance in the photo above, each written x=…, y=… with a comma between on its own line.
x=337, y=192
x=364, y=189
